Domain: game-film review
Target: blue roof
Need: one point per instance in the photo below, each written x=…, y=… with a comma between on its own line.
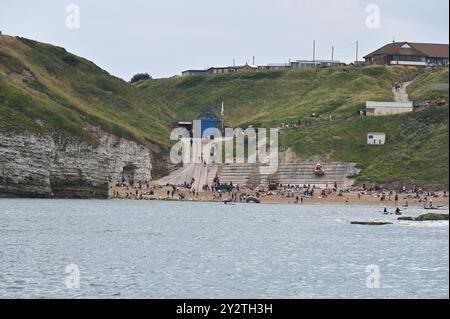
x=207, y=115
x=194, y=71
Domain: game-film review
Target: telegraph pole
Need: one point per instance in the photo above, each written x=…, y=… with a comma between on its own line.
x=332, y=55
x=357, y=51
x=314, y=53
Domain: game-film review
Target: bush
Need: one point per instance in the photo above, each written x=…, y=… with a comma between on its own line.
x=139, y=77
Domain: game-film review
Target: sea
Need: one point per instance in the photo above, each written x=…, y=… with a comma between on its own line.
x=51, y=248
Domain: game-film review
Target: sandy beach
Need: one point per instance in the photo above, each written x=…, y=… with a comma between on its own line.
x=351, y=197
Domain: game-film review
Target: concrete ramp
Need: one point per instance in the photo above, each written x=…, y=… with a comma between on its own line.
x=203, y=175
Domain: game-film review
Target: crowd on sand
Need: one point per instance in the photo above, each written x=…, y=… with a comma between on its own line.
x=412, y=196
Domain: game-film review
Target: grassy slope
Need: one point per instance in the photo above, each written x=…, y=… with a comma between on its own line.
x=430, y=84
x=417, y=143
x=273, y=97
x=68, y=91
x=416, y=149
x=417, y=146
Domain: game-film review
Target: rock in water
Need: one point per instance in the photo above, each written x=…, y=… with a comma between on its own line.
x=371, y=223
x=406, y=218
x=431, y=217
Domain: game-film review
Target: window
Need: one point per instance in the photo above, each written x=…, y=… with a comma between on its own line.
x=407, y=58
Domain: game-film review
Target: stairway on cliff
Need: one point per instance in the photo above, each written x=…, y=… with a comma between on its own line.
x=303, y=173
x=292, y=173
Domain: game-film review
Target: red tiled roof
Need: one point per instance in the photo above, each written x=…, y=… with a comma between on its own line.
x=430, y=50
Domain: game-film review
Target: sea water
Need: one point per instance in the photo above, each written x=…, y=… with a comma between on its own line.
x=156, y=249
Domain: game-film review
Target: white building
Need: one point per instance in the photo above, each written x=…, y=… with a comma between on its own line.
x=388, y=108
x=374, y=138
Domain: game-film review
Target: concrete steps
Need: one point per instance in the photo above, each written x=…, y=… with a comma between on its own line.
x=293, y=174
x=213, y=170
x=239, y=174
x=250, y=174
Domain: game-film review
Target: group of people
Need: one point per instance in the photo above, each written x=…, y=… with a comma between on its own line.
x=132, y=189
x=396, y=212
x=398, y=87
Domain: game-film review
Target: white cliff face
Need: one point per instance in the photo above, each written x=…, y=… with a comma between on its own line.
x=25, y=164
x=62, y=166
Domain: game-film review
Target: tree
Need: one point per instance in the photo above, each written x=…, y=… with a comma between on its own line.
x=140, y=76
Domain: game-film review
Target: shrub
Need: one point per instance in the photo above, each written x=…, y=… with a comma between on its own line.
x=139, y=77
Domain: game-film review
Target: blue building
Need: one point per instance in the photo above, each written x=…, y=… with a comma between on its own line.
x=207, y=119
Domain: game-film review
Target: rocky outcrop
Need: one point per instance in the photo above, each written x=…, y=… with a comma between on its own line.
x=371, y=223
x=57, y=165
x=426, y=217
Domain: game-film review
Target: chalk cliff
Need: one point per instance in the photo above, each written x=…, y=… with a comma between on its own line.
x=58, y=165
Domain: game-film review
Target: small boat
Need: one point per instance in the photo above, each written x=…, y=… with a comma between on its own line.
x=252, y=199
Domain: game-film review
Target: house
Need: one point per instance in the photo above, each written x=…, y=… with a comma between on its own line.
x=274, y=66
x=193, y=72
x=207, y=119
x=409, y=53
x=247, y=68
x=306, y=64
x=232, y=69
x=222, y=70
x=388, y=108
x=374, y=138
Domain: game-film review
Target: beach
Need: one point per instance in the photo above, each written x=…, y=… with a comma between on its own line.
x=349, y=197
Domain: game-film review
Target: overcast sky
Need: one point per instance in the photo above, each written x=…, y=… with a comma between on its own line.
x=166, y=37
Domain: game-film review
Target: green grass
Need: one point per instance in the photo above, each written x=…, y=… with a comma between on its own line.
x=431, y=84
x=416, y=148
x=68, y=92
x=272, y=97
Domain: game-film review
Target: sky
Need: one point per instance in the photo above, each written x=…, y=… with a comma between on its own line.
x=166, y=37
